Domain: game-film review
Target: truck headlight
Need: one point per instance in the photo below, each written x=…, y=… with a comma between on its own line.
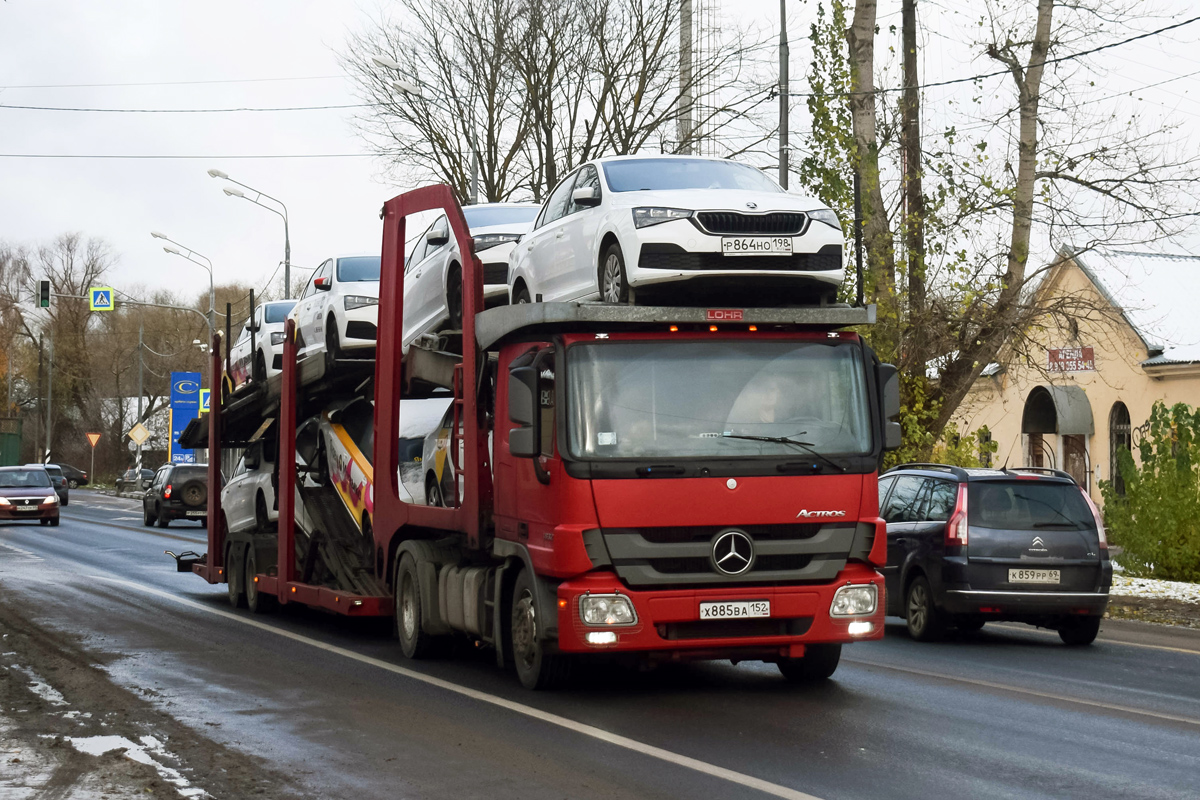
x=645, y=217
x=353, y=301
x=854, y=601
x=606, y=609
x=827, y=216
x=277, y=338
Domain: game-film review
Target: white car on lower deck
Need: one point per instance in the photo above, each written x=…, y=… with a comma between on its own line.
x=676, y=230
x=338, y=312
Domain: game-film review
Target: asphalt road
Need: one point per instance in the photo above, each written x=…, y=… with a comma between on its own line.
x=1009, y=712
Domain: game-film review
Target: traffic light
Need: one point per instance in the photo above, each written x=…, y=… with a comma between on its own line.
x=43, y=296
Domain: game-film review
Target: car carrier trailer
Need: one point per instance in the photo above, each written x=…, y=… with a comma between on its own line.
x=551, y=551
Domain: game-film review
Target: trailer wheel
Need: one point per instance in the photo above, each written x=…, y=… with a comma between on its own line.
x=820, y=661
x=234, y=582
x=414, y=642
x=536, y=668
x=256, y=601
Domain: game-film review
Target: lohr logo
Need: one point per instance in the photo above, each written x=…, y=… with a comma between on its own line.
x=725, y=315
x=806, y=514
x=187, y=387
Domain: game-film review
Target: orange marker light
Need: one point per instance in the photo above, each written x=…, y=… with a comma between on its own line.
x=674, y=328
x=562, y=603
x=712, y=328
x=753, y=327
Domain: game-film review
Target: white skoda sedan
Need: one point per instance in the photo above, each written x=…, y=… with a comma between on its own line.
x=338, y=311
x=677, y=230
x=257, y=354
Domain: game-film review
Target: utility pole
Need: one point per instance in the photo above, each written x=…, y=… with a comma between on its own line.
x=685, y=77
x=40, y=407
x=141, y=369
x=49, y=396
x=783, y=95
x=914, y=199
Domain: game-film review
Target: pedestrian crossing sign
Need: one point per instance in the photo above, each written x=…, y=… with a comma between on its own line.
x=100, y=298
x=204, y=400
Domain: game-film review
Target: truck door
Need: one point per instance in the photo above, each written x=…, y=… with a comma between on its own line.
x=534, y=483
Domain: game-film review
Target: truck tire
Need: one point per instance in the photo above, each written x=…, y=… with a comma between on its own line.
x=415, y=643
x=536, y=668
x=820, y=661
x=1080, y=631
x=925, y=622
x=234, y=582
x=256, y=601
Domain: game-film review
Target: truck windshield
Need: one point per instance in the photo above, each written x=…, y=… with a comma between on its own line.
x=691, y=399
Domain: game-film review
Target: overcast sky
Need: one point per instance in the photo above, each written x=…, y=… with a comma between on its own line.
x=333, y=202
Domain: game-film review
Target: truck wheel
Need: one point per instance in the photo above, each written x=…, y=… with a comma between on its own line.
x=234, y=582
x=414, y=642
x=925, y=622
x=536, y=668
x=1080, y=631
x=614, y=286
x=256, y=601
x=819, y=662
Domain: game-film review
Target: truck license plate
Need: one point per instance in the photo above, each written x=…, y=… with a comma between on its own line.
x=756, y=245
x=195, y=513
x=1033, y=576
x=737, y=609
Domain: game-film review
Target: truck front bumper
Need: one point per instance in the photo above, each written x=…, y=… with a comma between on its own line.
x=668, y=620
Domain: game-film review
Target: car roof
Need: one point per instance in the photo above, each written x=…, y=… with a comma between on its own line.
x=502, y=205
x=31, y=466
x=973, y=474
x=16, y=467
x=656, y=156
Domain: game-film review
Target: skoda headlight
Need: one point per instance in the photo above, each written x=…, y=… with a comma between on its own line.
x=277, y=337
x=606, y=609
x=51, y=499
x=353, y=301
x=645, y=217
x=854, y=601
x=486, y=240
x=827, y=216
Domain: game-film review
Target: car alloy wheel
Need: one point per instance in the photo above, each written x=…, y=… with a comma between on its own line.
x=614, y=278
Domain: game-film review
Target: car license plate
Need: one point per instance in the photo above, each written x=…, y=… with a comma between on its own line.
x=1033, y=576
x=737, y=609
x=26, y=508
x=756, y=245
x=195, y=513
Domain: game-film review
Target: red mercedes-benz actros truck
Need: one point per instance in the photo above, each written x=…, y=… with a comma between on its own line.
x=653, y=483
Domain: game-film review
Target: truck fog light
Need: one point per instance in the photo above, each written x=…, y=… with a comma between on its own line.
x=606, y=609
x=859, y=628
x=601, y=637
x=853, y=601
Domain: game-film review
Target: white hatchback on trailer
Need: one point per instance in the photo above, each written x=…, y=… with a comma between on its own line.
x=677, y=230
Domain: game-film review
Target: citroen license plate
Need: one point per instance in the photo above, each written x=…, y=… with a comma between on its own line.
x=756, y=245
x=735, y=609
x=1033, y=576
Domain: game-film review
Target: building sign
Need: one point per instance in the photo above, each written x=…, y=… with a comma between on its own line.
x=1072, y=359
x=185, y=406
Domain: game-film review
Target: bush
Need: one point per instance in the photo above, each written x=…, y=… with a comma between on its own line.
x=1157, y=522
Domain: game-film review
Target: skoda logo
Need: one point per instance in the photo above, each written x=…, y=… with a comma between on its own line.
x=732, y=552
x=751, y=206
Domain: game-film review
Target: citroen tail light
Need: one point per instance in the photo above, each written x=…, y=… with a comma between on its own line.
x=1099, y=519
x=956, y=528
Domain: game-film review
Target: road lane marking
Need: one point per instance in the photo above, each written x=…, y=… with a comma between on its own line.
x=1019, y=690
x=146, y=530
x=1105, y=640
x=739, y=778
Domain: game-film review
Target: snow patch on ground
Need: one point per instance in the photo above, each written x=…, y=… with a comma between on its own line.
x=1149, y=587
x=142, y=753
x=41, y=688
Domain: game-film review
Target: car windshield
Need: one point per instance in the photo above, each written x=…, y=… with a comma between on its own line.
x=647, y=399
x=20, y=478
x=647, y=174
x=486, y=217
x=358, y=268
x=1024, y=505
x=277, y=312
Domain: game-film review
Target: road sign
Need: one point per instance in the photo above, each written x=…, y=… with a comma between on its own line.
x=93, y=438
x=138, y=433
x=204, y=393
x=100, y=298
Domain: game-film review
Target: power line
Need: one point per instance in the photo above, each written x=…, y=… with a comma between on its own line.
x=974, y=78
x=170, y=83
x=143, y=156
x=187, y=110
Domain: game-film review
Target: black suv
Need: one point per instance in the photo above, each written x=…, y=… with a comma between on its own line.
x=969, y=546
x=179, y=491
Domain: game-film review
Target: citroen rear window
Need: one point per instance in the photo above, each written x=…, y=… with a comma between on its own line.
x=1027, y=505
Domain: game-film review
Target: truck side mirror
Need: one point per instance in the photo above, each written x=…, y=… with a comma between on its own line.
x=889, y=382
x=524, y=441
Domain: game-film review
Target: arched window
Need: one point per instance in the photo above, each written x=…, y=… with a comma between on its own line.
x=1120, y=435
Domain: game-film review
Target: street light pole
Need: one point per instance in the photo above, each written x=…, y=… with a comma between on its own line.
x=287, y=241
x=141, y=392
x=783, y=95
x=192, y=255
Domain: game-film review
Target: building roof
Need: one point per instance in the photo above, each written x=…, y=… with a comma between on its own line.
x=1155, y=293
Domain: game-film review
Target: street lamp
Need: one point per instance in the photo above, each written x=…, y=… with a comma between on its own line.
x=257, y=200
x=193, y=256
x=414, y=90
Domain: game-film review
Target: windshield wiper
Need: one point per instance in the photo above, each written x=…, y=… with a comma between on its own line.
x=805, y=446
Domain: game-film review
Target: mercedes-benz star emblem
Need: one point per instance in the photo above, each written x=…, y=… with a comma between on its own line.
x=752, y=206
x=732, y=552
